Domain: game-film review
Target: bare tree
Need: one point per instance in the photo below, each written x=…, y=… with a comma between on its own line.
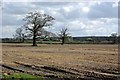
x=19, y=35
x=114, y=35
x=63, y=34
x=35, y=21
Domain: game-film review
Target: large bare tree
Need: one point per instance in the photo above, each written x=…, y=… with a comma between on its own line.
x=64, y=34
x=35, y=21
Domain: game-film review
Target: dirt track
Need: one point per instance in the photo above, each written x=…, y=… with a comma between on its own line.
x=76, y=61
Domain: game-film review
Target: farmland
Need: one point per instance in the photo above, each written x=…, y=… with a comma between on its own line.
x=75, y=61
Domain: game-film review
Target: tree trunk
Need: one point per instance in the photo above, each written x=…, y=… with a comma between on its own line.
x=63, y=40
x=34, y=39
x=23, y=40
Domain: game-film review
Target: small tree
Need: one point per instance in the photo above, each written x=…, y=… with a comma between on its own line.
x=19, y=35
x=114, y=35
x=63, y=35
x=35, y=21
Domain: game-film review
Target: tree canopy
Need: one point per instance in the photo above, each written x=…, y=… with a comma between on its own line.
x=35, y=21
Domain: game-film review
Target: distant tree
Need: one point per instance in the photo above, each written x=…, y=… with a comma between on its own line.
x=35, y=21
x=118, y=39
x=114, y=35
x=19, y=35
x=64, y=35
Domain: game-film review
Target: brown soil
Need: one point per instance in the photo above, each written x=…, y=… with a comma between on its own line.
x=75, y=61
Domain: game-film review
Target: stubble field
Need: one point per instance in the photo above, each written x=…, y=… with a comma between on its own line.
x=75, y=61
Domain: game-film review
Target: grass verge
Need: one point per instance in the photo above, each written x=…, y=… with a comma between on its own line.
x=21, y=76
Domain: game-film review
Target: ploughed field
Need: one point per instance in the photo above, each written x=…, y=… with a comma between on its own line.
x=69, y=61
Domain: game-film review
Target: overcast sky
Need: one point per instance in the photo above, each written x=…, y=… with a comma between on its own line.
x=81, y=18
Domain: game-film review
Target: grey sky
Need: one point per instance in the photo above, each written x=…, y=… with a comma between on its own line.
x=81, y=18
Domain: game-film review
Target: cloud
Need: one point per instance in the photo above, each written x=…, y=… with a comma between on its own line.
x=8, y=31
x=82, y=18
x=14, y=8
x=11, y=20
x=102, y=26
x=103, y=10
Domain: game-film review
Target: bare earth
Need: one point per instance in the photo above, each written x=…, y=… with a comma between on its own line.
x=75, y=61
